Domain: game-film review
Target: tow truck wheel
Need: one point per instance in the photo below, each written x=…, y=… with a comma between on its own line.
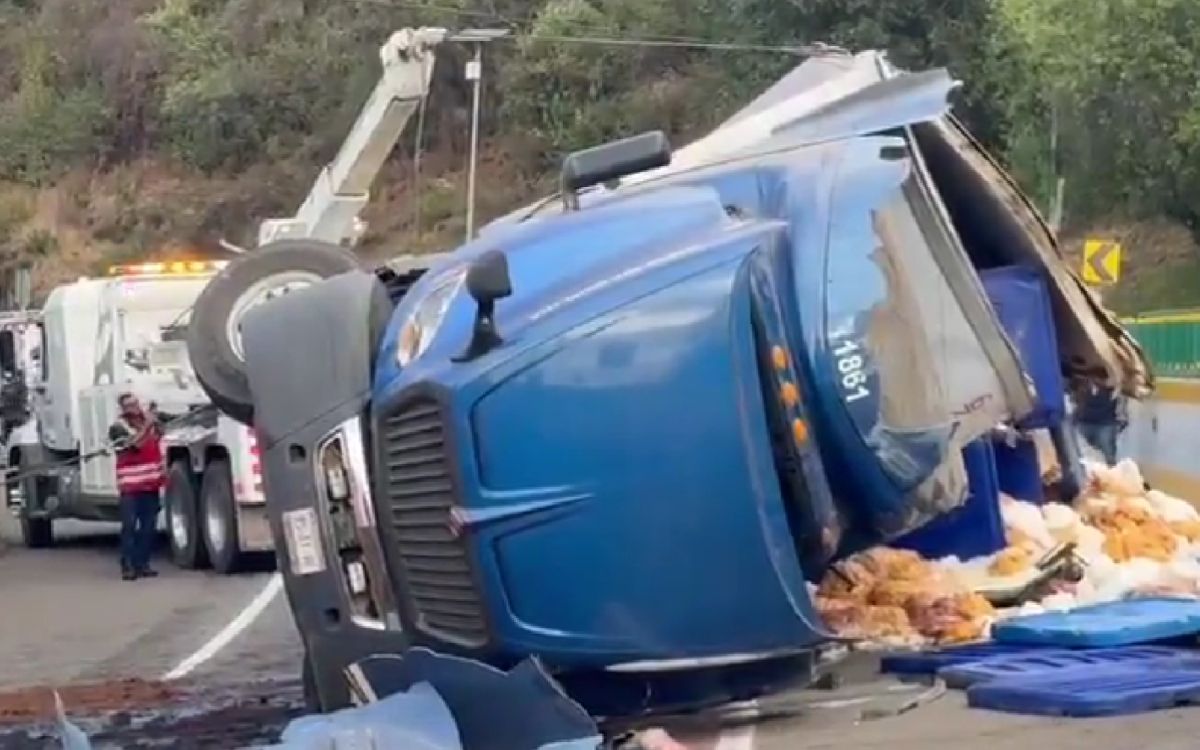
x=183, y=527
x=220, y=518
x=214, y=334
x=36, y=533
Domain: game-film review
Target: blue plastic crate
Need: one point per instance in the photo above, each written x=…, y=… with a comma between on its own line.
x=1097, y=691
x=1022, y=303
x=932, y=662
x=976, y=528
x=1059, y=661
x=1018, y=472
x=1121, y=623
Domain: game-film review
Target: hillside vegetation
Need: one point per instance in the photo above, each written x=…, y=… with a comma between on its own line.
x=131, y=128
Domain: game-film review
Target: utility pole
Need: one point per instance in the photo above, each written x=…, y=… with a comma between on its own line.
x=1060, y=182
x=474, y=73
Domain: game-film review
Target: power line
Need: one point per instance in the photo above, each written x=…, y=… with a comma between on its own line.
x=677, y=44
x=433, y=7
x=594, y=36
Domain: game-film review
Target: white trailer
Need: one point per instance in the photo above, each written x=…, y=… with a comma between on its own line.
x=95, y=339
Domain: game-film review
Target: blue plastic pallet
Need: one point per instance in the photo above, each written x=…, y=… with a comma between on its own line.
x=932, y=662
x=1097, y=691
x=1122, y=623
x=1053, y=662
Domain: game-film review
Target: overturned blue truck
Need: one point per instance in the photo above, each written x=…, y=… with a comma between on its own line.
x=622, y=429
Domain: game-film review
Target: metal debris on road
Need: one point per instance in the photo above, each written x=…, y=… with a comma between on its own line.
x=419, y=701
x=937, y=690
x=417, y=719
x=72, y=736
x=521, y=709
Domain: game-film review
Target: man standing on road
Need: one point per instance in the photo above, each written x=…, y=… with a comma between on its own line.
x=1101, y=414
x=137, y=437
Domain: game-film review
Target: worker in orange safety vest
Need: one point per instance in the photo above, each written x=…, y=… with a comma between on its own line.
x=137, y=438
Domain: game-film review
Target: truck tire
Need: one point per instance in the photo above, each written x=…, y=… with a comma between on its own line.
x=36, y=533
x=214, y=340
x=220, y=518
x=183, y=517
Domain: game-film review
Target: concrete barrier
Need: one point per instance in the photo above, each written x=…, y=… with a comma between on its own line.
x=1164, y=438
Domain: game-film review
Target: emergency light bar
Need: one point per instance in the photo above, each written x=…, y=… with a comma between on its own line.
x=173, y=268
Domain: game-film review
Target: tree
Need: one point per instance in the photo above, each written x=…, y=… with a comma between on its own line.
x=1120, y=79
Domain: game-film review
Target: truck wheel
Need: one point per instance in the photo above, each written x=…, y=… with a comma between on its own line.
x=183, y=527
x=220, y=518
x=214, y=334
x=37, y=533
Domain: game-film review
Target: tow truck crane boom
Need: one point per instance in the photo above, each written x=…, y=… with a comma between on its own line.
x=331, y=211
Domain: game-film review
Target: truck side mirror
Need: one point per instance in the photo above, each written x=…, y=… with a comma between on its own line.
x=487, y=281
x=608, y=163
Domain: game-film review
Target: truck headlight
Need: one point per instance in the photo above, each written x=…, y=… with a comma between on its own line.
x=426, y=318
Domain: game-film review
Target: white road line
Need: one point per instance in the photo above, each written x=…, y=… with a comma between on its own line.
x=230, y=631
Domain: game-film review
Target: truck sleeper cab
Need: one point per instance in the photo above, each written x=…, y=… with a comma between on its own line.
x=622, y=436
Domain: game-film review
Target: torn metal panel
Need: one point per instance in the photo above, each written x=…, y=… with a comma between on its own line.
x=891, y=103
x=1000, y=226
x=813, y=72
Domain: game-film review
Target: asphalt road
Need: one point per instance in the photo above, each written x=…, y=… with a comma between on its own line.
x=67, y=618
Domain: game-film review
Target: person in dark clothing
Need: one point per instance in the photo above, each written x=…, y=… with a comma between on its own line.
x=1101, y=415
x=137, y=438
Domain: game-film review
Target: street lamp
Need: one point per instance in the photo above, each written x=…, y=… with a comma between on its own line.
x=474, y=74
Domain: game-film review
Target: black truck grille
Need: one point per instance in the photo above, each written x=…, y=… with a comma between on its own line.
x=419, y=492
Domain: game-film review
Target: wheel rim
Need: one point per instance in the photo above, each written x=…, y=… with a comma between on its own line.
x=179, y=528
x=214, y=526
x=262, y=291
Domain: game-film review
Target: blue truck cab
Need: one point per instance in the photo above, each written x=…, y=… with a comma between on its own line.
x=624, y=431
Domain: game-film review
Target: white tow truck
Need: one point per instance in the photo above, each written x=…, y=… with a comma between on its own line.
x=94, y=339
x=90, y=352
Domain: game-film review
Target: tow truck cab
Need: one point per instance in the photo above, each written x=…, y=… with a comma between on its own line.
x=625, y=434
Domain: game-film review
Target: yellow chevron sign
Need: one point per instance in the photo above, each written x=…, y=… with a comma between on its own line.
x=1101, y=262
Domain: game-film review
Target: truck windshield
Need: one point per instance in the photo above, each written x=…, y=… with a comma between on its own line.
x=903, y=325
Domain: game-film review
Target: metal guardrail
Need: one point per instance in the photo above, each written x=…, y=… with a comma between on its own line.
x=1171, y=339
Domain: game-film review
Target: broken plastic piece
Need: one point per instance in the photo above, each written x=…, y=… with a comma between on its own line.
x=518, y=710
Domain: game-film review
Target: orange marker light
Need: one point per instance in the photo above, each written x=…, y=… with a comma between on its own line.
x=799, y=431
x=175, y=268
x=790, y=394
x=779, y=357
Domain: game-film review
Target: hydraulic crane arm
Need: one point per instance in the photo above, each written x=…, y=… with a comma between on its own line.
x=331, y=210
